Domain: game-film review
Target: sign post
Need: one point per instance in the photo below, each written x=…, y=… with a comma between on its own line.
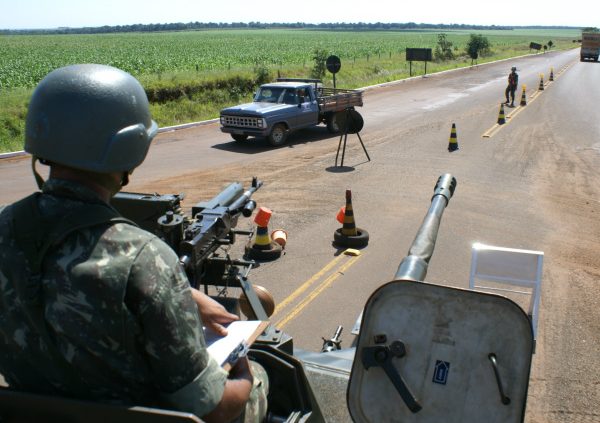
x=333, y=65
x=535, y=46
x=419, y=55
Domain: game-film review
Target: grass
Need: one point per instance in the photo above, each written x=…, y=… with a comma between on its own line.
x=12, y=118
x=191, y=76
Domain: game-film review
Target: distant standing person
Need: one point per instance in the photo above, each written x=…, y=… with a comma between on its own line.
x=513, y=81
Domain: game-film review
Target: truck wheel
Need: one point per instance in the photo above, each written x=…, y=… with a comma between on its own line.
x=333, y=125
x=239, y=137
x=278, y=135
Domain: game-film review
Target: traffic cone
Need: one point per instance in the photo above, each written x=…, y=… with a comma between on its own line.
x=501, y=118
x=551, y=75
x=262, y=240
x=453, y=143
x=523, y=98
x=263, y=247
x=279, y=236
x=541, y=88
x=349, y=235
x=341, y=214
x=349, y=226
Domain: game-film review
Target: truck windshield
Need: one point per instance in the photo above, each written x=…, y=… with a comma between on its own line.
x=274, y=95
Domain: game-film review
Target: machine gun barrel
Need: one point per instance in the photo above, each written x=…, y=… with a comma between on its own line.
x=244, y=202
x=414, y=265
x=224, y=199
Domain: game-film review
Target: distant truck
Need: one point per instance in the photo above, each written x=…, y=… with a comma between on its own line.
x=287, y=105
x=590, y=46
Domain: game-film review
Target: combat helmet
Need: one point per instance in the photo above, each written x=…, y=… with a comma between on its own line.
x=89, y=117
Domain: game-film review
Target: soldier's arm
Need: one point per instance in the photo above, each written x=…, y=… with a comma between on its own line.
x=189, y=379
x=172, y=340
x=235, y=396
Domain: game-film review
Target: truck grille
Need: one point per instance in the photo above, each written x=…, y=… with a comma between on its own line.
x=242, y=121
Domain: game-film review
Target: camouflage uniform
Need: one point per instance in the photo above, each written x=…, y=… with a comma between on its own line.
x=256, y=407
x=120, y=322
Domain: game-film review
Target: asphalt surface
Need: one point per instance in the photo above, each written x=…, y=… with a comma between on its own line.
x=532, y=184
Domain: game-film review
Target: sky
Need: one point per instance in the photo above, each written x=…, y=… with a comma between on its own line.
x=37, y=14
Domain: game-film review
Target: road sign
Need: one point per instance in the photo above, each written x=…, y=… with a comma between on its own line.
x=333, y=64
x=535, y=46
x=418, y=54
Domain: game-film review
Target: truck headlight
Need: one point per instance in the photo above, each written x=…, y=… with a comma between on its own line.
x=261, y=123
x=222, y=120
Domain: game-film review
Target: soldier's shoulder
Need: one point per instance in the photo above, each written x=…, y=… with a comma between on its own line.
x=136, y=238
x=123, y=231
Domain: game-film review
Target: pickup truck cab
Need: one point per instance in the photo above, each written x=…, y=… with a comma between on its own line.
x=287, y=105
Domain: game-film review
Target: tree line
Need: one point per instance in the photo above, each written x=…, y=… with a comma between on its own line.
x=179, y=26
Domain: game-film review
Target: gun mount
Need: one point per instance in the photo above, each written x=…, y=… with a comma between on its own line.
x=202, y=239
x=334, y=343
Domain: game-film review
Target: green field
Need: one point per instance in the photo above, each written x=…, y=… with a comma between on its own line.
x=191, y=75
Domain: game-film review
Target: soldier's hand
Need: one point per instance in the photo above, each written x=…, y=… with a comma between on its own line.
x=213, y=314
x=241, y=370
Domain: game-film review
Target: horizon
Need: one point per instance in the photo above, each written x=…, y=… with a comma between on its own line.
x=74, y=14
x=432, y=25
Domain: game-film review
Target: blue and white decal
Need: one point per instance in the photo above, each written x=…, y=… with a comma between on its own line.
x=440, y=373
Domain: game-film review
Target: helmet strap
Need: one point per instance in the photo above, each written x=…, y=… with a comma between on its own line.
x=125, y=178
x=36, y=175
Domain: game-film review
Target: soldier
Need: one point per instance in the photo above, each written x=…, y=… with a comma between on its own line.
x=513, y=81
x=93, y=307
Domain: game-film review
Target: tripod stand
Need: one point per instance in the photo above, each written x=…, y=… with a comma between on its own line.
x=352, y=123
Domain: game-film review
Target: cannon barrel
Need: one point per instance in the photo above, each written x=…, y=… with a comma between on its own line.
x=414, y=265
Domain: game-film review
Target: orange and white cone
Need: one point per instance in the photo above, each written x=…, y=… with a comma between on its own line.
x=280, y=237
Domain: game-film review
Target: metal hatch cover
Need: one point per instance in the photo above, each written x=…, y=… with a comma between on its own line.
x=430, y=353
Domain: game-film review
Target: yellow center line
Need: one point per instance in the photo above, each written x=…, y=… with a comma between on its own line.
x=494, y=129
x=517, y=111
x=296, y=310
x=307, y=284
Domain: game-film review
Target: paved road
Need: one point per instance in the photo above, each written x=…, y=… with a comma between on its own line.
x=533, y=184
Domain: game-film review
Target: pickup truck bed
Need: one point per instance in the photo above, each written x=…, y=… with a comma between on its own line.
x=335, y=99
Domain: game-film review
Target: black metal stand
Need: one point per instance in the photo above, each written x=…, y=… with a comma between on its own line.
x=344, y=136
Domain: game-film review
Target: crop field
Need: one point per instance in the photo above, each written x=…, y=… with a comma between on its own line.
x=191, y=75
x=26, y=59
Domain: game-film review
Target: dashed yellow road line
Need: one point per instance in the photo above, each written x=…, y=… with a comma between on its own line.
x=307, y=284
x=315, y=292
